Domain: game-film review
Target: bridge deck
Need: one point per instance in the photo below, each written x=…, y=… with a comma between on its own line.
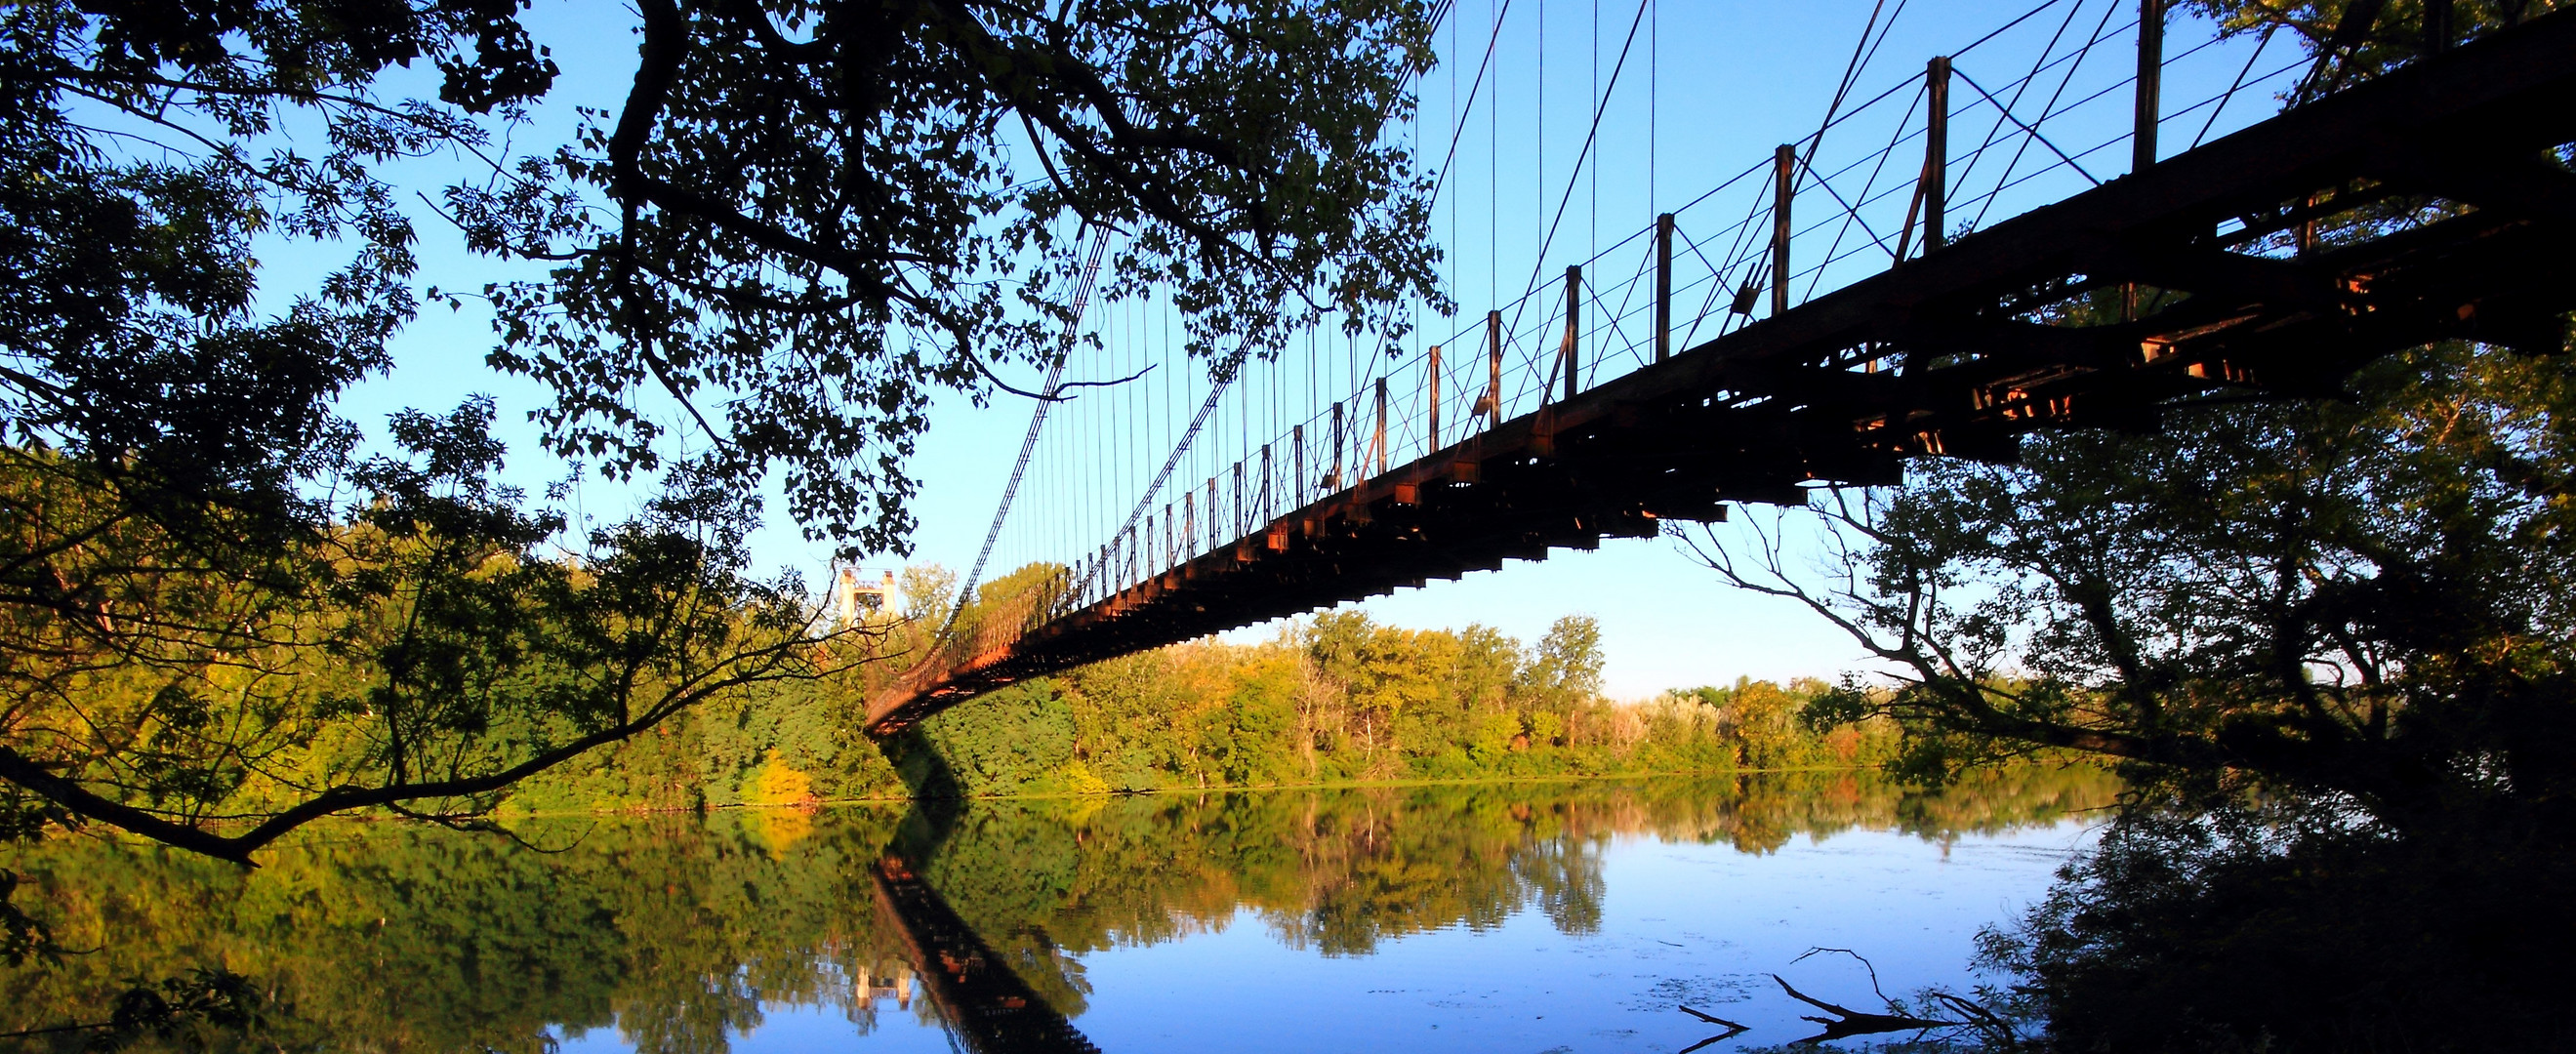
x=1957, y=353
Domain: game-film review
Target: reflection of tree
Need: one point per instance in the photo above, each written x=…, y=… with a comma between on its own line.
x=431, y=940
x=2262, y=926
x=1563, y=876
x=678, y=929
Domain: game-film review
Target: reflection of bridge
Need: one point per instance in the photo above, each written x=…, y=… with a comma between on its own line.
x=989, y=1007
x=2197, y=271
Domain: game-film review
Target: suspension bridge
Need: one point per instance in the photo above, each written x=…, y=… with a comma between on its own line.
x=1938, y=270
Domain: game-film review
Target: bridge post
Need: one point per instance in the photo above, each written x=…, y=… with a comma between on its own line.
x=1380, y=442
x=1189, y=524
x=1431, y=369
x=1573, y=351
x=1936, y=153
x=1242, y=514
x=2151, y=66
x=1338, y=447
x=1212, y=520
x=1784, y=186
x=1297, y=463
x=1663, y=286
x=1269, y=502
x=1494, y=363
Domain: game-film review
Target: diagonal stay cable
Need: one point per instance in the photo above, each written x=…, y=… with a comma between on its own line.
x=1037, y=422
x=2049, y=109
x=1223, y=377
x=1965, y=175
x=1441, y=178
x=1600, y=107
x=2006, y=27
x=2260, y=43
x=1863, y=52
x=1851, y=212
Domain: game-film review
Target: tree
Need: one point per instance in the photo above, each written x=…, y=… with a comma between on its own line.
x=2363, y=597
x=1250, y=738
x=426, y=651
x=1562, y=674
x=822, y=213
x=1384, y=672
x=803, y=220
x=2355, y=40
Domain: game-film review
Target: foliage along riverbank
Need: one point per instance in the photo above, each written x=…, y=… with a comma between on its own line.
x=1336, y=700
x=683, y=930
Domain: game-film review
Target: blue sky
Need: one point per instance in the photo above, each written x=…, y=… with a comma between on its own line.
x=1717, y=82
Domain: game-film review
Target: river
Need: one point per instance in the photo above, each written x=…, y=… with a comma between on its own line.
x=1556, y=916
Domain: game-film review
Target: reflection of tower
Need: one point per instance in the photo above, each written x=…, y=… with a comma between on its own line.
x=896, y=984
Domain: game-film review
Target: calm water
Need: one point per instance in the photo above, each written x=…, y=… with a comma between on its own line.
x=1520, y=917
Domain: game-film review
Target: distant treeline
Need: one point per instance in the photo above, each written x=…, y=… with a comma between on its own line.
x=684, y=930
x=1336, y=699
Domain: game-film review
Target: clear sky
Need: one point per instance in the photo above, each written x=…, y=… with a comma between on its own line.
x=1708, y=88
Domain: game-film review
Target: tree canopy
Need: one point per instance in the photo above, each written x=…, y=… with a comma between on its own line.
x=801, y=221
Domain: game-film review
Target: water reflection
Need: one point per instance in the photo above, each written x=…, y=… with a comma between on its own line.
x=685, y=932
x=979, y=995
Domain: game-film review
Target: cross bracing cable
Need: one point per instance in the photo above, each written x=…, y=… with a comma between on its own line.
x=2026, y=129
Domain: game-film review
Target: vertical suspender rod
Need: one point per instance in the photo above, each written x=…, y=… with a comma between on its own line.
x=1936, y=153
x=1663, y=287
x=1431, y=394
x=1784, y=186
x=1380, y=441
x=2151, y=66
x=1297, y=463
x=1338, y=448
x=1573, y=351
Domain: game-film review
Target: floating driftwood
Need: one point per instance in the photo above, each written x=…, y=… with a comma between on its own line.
x=1848, y=1022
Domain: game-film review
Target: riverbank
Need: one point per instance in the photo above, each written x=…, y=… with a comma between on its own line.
x=2084, y=771
x=1346, y=703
